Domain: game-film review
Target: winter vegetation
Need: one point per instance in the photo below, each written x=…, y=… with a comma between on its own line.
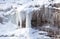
x=29, y=19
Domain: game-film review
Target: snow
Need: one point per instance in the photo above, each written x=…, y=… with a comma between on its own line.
x=7, y=27
x=24, y=34
x=56, y=1
x=22, y=5
x=5, y=6
x=56, y=8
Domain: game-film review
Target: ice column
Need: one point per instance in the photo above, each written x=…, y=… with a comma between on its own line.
x=28, y=20
x=19, y=19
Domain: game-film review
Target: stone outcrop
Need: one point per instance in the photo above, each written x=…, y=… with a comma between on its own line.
x=46, y=16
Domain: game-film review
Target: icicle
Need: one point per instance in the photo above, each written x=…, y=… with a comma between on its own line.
x=28, y=20
x=20, y=19
x=17, y=19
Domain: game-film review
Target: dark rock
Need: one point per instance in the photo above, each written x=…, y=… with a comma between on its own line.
x=1, y=20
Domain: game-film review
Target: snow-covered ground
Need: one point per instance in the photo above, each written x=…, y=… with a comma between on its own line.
x=8, y=27
x=27, y=33
x=10, y=31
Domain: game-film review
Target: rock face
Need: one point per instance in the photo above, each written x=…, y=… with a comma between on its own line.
x=1, y=20
x=46, y=16
x=41, y=17
x=56, y=15
x=56, y=5
x=57, y=19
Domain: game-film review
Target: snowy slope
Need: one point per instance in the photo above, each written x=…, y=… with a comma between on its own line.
x=8, y=27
